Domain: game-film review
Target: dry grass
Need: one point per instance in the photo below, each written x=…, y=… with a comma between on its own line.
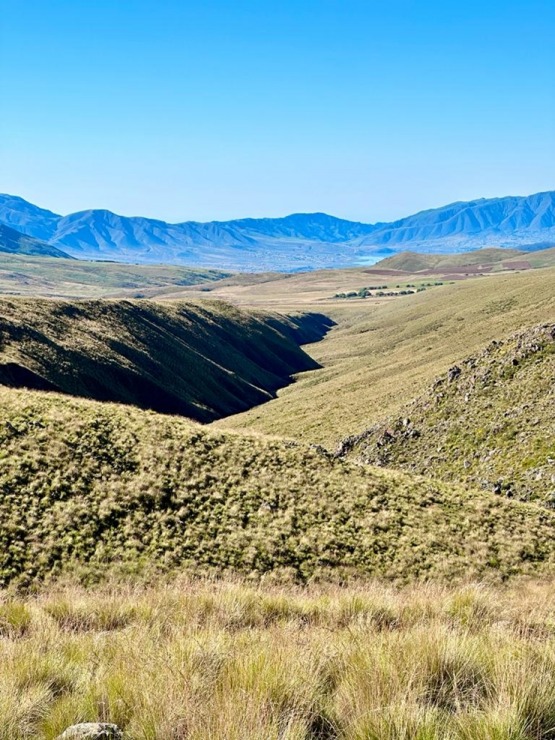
x=202, y=660
x=380, y=357
x=200, y=359
x=66, y=278
x=90, y=488
x=91, y=491
x=491, y=425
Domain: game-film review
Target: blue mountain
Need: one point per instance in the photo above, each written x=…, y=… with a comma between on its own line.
x=298, y=241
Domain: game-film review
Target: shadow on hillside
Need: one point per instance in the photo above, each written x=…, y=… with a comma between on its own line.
x=187, y=361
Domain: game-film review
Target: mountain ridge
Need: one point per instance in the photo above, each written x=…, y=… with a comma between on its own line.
x=14, y=242
x=294, y=242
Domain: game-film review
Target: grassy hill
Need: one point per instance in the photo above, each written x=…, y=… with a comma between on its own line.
x=489, y=421
x=201, y=360
x=12, y=241
x=68, y=278
x=490, y=259
x=89, y=489
x=415, y=262
x=380, y=357
x=165, y=523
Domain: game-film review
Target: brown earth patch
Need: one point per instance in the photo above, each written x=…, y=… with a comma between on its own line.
x=522, y=265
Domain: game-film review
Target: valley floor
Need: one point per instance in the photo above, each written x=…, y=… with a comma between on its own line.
x=381, y=356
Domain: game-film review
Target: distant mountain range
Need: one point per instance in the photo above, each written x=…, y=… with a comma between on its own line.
x=299, y=241
x=14, y=242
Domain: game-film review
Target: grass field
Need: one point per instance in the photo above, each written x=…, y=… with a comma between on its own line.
x=201, y=660
x=194, y=582
x=92, y=490
x=282, y=291
x=489, y=422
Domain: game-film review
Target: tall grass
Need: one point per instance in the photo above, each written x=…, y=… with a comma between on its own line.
x=226, y=660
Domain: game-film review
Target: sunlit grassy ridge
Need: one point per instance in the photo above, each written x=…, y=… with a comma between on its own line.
x=495, y=257
x=382, y=356
x=202, y=360
x=90, y=487
x=227, y=661
x=490, y=422
x=65, y=278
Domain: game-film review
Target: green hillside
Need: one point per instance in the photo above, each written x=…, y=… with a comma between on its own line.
x=12, y=241
x=186, y=581
x=91, y=488
x=202, y=360
x=68, y=278
x=489, y=421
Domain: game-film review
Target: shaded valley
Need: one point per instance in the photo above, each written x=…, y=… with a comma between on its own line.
x=200, y=360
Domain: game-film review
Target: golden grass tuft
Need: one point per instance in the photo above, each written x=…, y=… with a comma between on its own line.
x=197, y=659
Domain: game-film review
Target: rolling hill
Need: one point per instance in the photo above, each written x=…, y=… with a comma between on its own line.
x=35, y=276
x=381, y=356
x=201, y=360
x=490, y=259
x=184, y=580
x=93, y=490
x=298, y=241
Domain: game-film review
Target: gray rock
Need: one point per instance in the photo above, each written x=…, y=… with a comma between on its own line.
x=453, y=373
x=92, y=731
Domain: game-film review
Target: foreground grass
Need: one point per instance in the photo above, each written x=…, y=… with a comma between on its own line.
x=202, y=660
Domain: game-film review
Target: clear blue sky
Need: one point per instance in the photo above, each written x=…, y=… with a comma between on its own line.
x=217, y=109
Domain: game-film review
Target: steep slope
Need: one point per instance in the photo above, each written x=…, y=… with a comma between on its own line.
x=88, y=489
x=27, y=218
x=489, y=421
x=201, y=360
x=298, y=241
x=14, y=242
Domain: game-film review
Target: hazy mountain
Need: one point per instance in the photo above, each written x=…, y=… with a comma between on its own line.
x=14, y=242
x=299, y=241
x=511, y=221
x=27, y=218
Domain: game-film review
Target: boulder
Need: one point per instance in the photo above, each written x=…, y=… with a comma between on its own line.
x=92, y=731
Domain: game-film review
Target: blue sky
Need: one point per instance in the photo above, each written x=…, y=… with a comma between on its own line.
x=369, y=110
